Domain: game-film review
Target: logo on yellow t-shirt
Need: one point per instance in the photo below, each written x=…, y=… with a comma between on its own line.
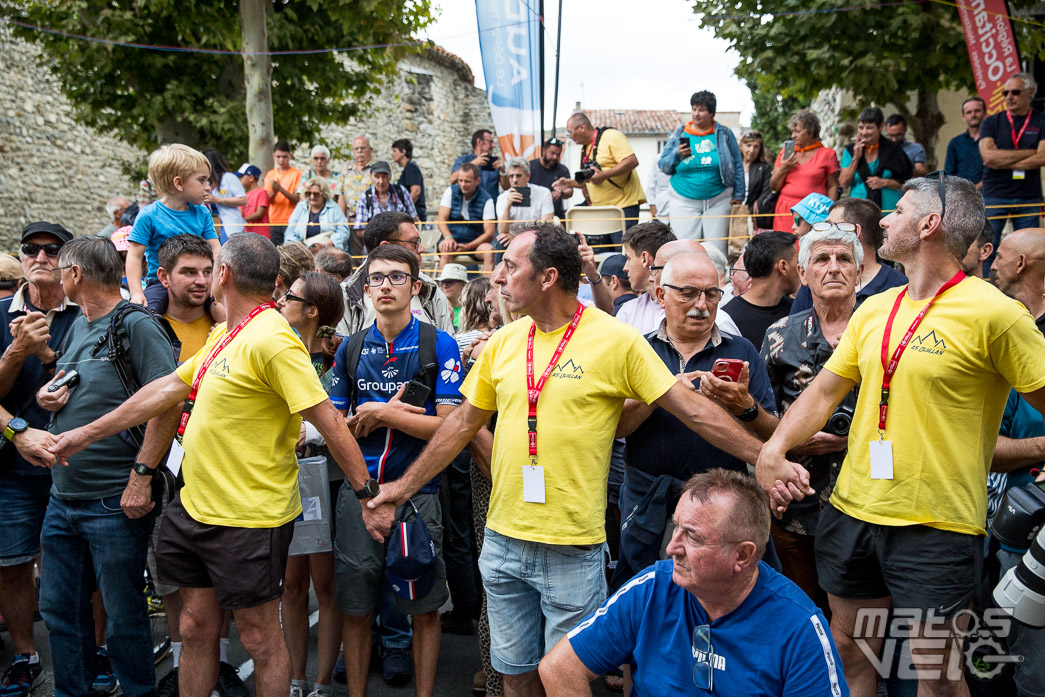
x=929, y=343
x=569, y=369
x=221, y=368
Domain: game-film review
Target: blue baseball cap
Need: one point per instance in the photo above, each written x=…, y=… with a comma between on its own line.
x=410, y=559
x=813, y=208
x=247, y=168
x=613, y=265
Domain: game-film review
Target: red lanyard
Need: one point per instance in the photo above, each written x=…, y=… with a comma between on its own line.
x=890, y=364
x=191, y=401
x=1012, y=125
x=589, y=152
x=533, y=392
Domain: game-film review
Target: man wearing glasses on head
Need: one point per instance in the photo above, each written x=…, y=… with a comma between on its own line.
x=712, y=619
x=429, y=304
x=33, y=323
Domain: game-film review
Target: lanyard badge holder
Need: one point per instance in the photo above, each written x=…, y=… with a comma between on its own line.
x=533, y=474
x=881, y=450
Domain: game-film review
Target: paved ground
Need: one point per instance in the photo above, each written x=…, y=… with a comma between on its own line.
x=458, y=661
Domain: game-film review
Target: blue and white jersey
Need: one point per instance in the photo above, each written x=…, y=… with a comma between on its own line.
x=382, y=370
x=775, y=643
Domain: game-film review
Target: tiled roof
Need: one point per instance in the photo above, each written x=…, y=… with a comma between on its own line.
x=455, y=61
x=636, y=121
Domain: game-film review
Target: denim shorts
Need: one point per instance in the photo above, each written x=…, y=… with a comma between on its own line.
x=535, y=594
x=23, y=503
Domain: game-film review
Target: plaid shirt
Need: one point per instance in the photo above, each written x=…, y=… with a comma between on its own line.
x=368, y=205
x=352, y=185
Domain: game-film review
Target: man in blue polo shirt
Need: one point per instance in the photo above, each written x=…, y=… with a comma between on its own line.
x=33, y=324
x=660, y=451
x=392, y=359
x=963, y=150
x=710, y=620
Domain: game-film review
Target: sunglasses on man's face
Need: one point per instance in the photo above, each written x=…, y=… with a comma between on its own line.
x=51, y=249
x=1014, y=93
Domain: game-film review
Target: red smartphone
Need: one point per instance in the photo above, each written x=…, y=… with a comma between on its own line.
x=727, y=369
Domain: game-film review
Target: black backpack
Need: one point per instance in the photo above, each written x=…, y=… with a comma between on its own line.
x=427, y=335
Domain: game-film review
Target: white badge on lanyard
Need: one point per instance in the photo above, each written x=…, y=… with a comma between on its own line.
x=533, y=484
x=1019, y=174
x=881, y=459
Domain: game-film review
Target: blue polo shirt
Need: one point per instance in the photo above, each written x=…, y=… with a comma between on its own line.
x=20, y=399
x=664, y=445
x=382, y=370
x=963, y=158
x=886, y=278
x=775, y=643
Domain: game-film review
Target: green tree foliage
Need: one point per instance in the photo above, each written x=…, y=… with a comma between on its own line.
x=881, y=54
x=772, y=112
x=147, y=97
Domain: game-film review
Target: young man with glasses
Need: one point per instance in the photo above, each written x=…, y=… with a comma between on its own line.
x=1012, y=145
x=712, y=616
x=429, y=305
x=659, y=447
x=33, y=323
x=392, y=430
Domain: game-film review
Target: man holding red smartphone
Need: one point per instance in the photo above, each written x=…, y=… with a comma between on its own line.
x=660, y=450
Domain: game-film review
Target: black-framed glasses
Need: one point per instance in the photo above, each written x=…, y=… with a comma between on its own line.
x=828, y=227
x=734, y=270
x=396, y=278
x=656, y=267
x=703, y=658
x=690, y=294
x=59, y=269
x=31, y=249
x=413, y=244
x=310, y=194
x=942, y=191
x=290, y=297
x=1014, y=93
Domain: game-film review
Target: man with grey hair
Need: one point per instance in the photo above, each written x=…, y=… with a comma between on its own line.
x=795, y=349
x=115, y=207
x=1012, y=145
x=225, y=537
x=521, y=201
x=101, y=513
x=935, y=360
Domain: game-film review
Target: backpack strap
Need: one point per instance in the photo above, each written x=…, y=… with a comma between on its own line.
x=428, y=335
x=352, y=353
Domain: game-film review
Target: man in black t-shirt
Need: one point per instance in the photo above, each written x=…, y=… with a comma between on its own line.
x=771, y=261
x=411, y=179
x=1012, y=145
x=546, y=169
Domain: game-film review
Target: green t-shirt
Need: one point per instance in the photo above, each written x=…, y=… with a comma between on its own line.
x=102, y=469
x=699, y=177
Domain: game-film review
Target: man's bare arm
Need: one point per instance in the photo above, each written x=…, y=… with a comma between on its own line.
x=563, y=674
x=1011, y=454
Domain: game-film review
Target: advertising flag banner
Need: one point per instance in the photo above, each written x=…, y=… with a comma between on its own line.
x=992, y=48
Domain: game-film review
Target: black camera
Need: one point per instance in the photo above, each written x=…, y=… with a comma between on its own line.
x=1020, y=516
x=583, y=175
x=841, y=420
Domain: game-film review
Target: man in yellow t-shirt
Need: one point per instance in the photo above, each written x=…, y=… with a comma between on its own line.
x=615, y=179
x=542, y=560
x=186, y=263
x=905, y=521
x=224, y=539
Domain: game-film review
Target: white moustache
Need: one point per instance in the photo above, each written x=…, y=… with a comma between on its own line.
x=698, y=314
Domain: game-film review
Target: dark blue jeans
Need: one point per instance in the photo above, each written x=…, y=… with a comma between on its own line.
x=86, y=545
x=1022, y=216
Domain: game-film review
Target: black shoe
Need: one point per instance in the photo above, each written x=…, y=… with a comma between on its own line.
x=339, y=669
x=396, y=667
x=229, y=684
x=168, y=686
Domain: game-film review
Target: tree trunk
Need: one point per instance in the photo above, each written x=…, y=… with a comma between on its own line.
x=926, y=122
x=257, y=77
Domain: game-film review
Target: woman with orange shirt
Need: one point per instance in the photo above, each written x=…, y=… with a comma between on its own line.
x=812, y=168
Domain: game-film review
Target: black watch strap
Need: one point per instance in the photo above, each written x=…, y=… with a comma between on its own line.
x=144, y=470
x=369, y=490
x=749, y=414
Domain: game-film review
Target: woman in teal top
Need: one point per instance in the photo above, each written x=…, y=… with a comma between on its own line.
x=874, y=167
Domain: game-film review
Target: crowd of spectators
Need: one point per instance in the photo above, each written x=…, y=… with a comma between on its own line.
x=673, y=467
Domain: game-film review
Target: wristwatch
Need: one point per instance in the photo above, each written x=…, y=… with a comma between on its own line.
x=369, y=490
x=14, y=427
x=144, y=470
x=595, y=282
x=749, y=414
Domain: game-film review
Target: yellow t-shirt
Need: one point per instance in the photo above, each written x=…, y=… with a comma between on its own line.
x=192, y=335
x=605, y=362
x=945, y=403
x=240, y=469
x=625, y=190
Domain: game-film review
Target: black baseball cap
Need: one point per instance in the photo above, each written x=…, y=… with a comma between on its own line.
x=42, y=226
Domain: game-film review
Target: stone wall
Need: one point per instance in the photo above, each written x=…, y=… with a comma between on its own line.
x=52, y=168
